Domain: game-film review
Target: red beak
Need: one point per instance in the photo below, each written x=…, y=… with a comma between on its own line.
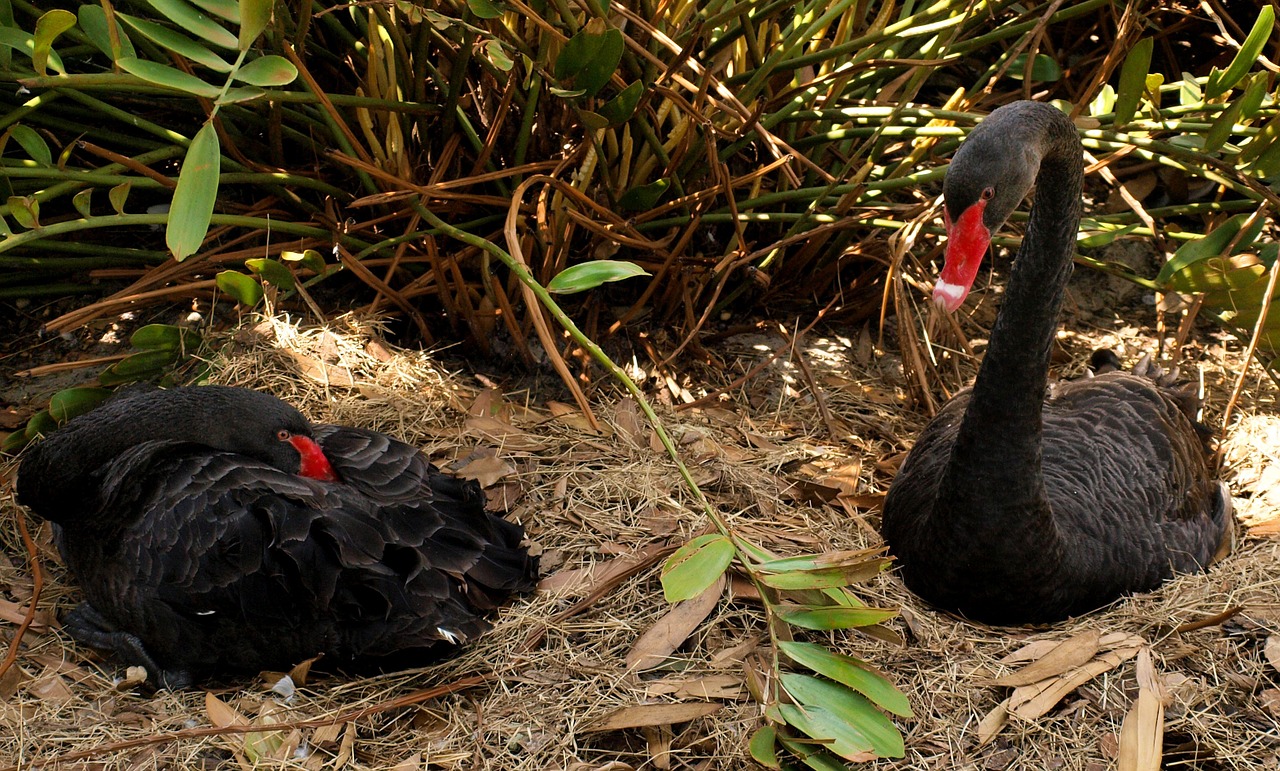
x=314, y=464
x=967, y=242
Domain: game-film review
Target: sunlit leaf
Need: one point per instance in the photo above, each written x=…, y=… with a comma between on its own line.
x=177, y=43
x=832, y=711
x=1223, y=126
x=49, y=27
x=165, y=337
x=1133, y=80
x=118, y=195
x=143, y=365
x=68, y=403
x=591, y=274
x=695, y=566
x=823, y=618
x=1246, y=57
x=851, y=672
x=245, y=289
x=164, y=75
x=26, y=210
x=193, y=200
x=267, y=71
x=193, y=21
x=1212, y=245
x=497, y=54
x=309, y=258
x=272, y=272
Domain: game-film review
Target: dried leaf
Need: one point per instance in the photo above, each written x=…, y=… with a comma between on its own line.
x=652, y=714
x=487, y=470
x=1032, y=701
x=1069, y=654
x=411, y=763
x=1142, y=732
x=222, y=714
x=584, y=580
x=52, y=689
x=1272, y=651
x=992, y=722
x=670, y=631
x=511, y=438
x=626, y=417
x=706, y=688
x=320, y=372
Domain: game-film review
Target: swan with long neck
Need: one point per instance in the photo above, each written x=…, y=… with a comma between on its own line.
x=1022, y=502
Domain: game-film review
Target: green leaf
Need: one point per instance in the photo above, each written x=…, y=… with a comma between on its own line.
x=15, y=441
x=1212, y=245
x=82, y=201
x=619, y=109
x=191, y=20
x=195, y=196
x=1223, y=126
x=1108, y=234
x=825, y=578
x=93, y=20
x=49, y=27
x=255, y=15
x=484, y=9
x=309, y=258
x=240, y=94
x=71, y=402
x=763, y=747
x=644, y=197
x=1254, y=93
x=696, y=566
x=244, y=288
x=26, y=210
x=1189, y=94
x=824, y=618
x=177, y=43
x=1043, y=69
x=40, y=424
x=165, y=337
x=118, y=195
x=267, y=71
x=33, y=143
x=810, y=753
x=140, y=366
x=1133, y=81
x=1105, y=102
x=591, y=274
x=831, y=711
x=25, y=43
x=164, y=75
x=851, y=672
x=1246, y=57
x=497, y=54
x=590, y=58
x=224, y=9
x=272, y=272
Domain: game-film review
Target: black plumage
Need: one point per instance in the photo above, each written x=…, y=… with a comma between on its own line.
x=201, y=548
x=1021, y=502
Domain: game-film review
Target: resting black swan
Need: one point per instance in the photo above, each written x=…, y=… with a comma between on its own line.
x=1024, y=503
x=215, y=530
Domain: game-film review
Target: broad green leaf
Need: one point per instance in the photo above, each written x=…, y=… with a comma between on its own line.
x=24, y=42
x=244, y=289
x=591, y=274
x=4, y=227
x=240, y=94
x=848, y=719
x=695, y=566
x=1260, y=142
x=309, y=258
x=118, y=195
x=1105, y=102
x=763, y=747
x=272, y=272
x=1267, y=164
x=497, y=54
x=644, y=197
x=164, y=75
x=1133, y=80
x=49, y=27
x=850, y=671
x=83, y=203
x=165, y=337
x=193, y=21
x=197, y=191
x=26, y=210
x=224, y=9
x=590, y=58
x=1189, y=93
x=1225, y=281
x=255, y=15
x=1043, y=69
x=15, y=441
x=810, y=753
x=40, y=424
x=93, y=20
x=825, y=578
x=823, y=618
x=1246, y=57
x=267, y=71
x=140, y=366
x=177, y=43
x=33, y=143
x=66, y=404
x=619, y=109
x=1109, y=234
x=1212, y=245
x=484, y=9
x=1223, y=126
x=1254, y=93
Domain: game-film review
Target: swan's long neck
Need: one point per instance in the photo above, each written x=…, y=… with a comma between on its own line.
x=995, y=471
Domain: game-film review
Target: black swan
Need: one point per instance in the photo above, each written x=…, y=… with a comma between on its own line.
x=215, y=530
x=1023, y=502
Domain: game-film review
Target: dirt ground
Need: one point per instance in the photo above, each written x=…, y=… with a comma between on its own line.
x=550, y=687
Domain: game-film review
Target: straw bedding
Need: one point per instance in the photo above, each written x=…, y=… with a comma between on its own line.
x=549, y=687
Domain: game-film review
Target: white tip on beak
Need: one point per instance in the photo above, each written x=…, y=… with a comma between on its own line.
x=948, y=296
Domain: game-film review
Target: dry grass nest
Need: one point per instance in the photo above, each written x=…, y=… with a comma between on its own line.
x=549, y=687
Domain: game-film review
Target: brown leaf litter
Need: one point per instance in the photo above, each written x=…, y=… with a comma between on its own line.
x=595, y=671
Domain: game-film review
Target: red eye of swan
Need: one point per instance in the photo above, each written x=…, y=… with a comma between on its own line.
x=283, y=435
x=987, y=193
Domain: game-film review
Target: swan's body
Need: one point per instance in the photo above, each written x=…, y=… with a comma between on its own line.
x=214, y=529
x=1023, y=503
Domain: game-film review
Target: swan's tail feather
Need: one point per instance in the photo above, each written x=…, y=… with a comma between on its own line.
x=1224, y=515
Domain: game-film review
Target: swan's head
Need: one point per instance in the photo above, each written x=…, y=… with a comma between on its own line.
x=989, y=176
